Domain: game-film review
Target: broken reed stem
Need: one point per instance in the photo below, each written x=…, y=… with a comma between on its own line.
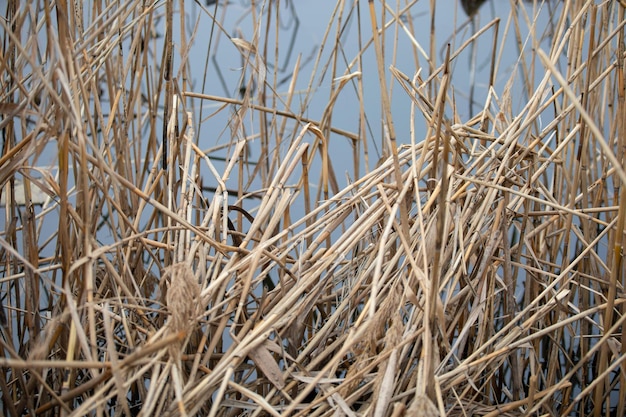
x=389, y=129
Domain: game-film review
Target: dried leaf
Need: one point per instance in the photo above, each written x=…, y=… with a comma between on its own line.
x=264, y=360
x=422, y=406
x=244, y=45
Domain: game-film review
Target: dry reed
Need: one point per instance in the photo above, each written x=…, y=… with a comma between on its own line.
x=474, y=269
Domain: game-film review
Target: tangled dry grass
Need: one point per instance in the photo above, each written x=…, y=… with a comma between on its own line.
x=475, y=269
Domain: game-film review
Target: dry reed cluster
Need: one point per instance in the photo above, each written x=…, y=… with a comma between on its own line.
x=475, y=269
